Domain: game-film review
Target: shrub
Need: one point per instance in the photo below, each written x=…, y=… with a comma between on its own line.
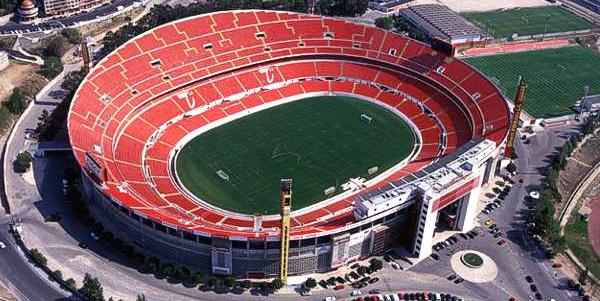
x=71, y=284
x=23, y=162
x=72, y=35
x=52, y=67
x=310, y=282
x=167, y=269
x=197, y=278
x=16, y=102
x=38, y=257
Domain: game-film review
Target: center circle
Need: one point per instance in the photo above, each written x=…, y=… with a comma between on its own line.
x=319, y=142
x=472, y=260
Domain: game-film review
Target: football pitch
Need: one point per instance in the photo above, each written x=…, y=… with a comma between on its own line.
x=555, y=77
x=527, y=21
x=319, y=142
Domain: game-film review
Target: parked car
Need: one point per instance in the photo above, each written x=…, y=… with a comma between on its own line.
x=451, y=277
x=488, y=222
x=355, y=293
x=497, y=234
x=375, y=291
x=458, y=280
x=375, y=279
x=501, y=242
x=495, y=230
x=435, y=256
x=339, y=287
x=395, y=265
x=2, y=245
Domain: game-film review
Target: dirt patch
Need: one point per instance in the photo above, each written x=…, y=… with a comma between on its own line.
x=6, y=295
x=15, y=75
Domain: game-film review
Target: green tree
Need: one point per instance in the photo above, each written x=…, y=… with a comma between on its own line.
x=23, y=162
x=197, y=278
x=229, y=282
x=583, y=277
x=71, y=284
x=349, y=8
x=141, y=297
x=52, y=67
x=276, y=284
x=511, y=167
x=375, y=264
x=384, y=22
x=56, y=47
x=38, y=257
x=361, y=270
x=72, y=35
x=58, y=274
x=5, y=117
x=213, y=282
x=182, y=273
x=331, y=280
x=72, y=81
x=92, y=289
x=310, y=283
x=16, y=102
x=167, y=269
x=246, y=284
x=152, y=263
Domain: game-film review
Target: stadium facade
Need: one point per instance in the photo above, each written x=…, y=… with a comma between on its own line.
x=132, y=112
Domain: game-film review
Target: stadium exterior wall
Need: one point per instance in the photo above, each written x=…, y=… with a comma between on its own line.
x=258, y=258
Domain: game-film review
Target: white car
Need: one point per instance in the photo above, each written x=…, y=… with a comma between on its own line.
x=94, y=236
x=394, y=265
x=306, y=293
x=2, y=245
x=355, y=293
x=330, y=298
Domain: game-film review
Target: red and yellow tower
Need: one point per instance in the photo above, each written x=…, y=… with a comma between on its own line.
x=285, y=200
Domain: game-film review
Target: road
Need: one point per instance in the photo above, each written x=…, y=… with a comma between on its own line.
x=14, y=28
x=17, y=274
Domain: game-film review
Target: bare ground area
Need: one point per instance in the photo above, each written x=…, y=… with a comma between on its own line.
x=17, y=74
x=580, y=163
x=6, y=295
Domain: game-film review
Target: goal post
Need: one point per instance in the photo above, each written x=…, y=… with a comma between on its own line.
x=223, y=175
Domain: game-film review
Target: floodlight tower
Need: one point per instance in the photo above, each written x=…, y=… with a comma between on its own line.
x=514, y=124
x=85, y=54
x=285, y=200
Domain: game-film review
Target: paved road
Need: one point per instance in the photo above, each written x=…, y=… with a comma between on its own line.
x=13, y=28
x=17, y=274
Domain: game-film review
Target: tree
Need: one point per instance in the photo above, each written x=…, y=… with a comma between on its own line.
x=141, y=297
x=57, y=274
x=583, y=277
x=16, y=102
x=246, y=284
x=71, y=284
x=72, y=35
x=5, y=117
x=331, y=281
x=213, y=282
x=229, y=282
x=276, y=284
x=310, y=283
x=152, y=263
x=52, y=67
x=38, y=257
x=72, y=81
x=167, y=269
x=182, y=273
x=23, y=162
x=349, y=8
x=57, y=47
x=375, y=264
x=92, y=289
x=511, y=167
x=361, y=270
x=384, y=22
x=197, y=278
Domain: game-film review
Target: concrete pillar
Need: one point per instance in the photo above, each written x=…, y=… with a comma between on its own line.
x=467, y=210
x=425, y=228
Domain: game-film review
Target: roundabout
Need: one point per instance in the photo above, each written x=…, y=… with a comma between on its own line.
x=474, y=266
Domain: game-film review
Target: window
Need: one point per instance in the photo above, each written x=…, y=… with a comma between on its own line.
x=392, y=51
x=260, y=35
x=236, y=244
x=328, y=35
x=208, y=46
x=166, y=77
x=356, y=45
x=267, y=48
x=189, y=236
x=160, y=227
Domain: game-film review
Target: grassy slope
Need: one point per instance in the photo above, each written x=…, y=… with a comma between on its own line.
x=554, y=77
x=319, y=142
x=527, y=21
x=576, y=234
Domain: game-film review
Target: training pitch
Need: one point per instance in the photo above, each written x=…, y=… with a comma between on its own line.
x=319, y=142
x=555, y=77
x=528, y=21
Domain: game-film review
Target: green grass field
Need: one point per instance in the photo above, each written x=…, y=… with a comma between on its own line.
x=555, y=77
x=528, y=21
x=318, y=142
x=576, y=236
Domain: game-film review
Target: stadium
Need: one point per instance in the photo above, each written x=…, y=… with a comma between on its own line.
x=184, y=132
